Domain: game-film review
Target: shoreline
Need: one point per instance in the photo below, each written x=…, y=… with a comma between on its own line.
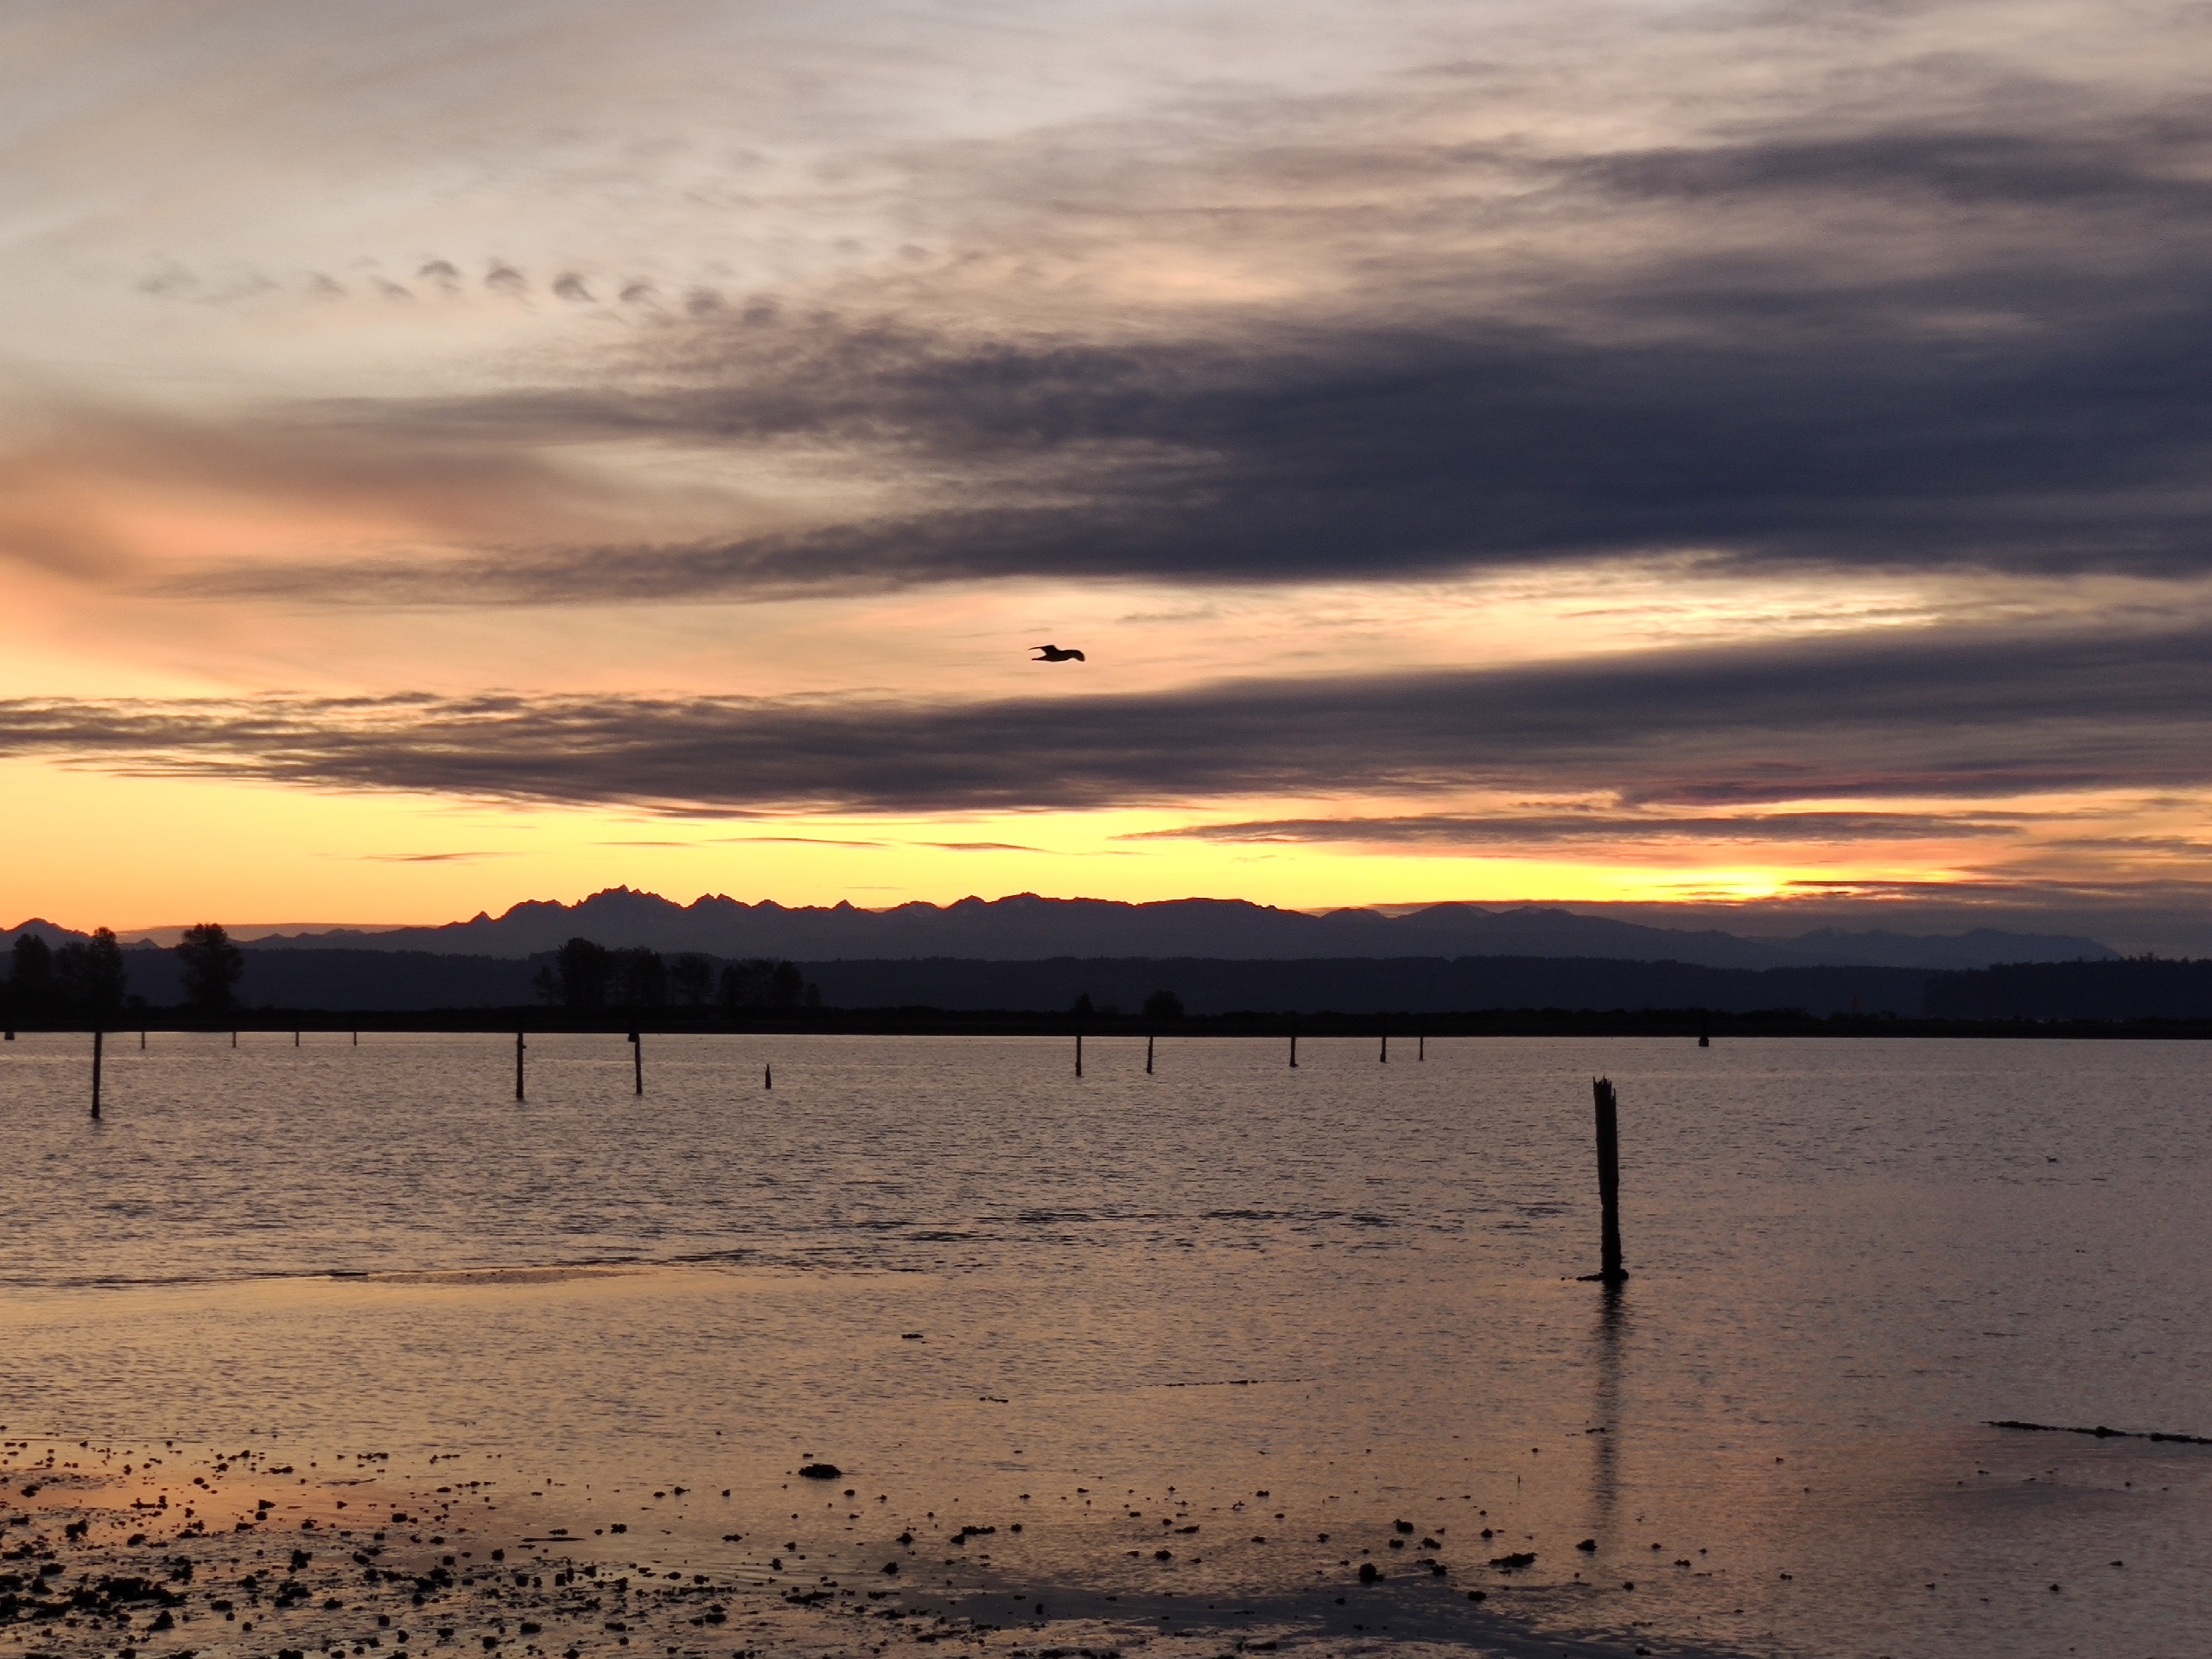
x=1403, y=1028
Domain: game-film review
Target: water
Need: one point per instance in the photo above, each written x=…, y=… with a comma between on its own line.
x=992, y=1292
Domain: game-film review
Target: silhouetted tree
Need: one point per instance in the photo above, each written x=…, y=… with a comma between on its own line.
x=91, y=975
x=691, y=977
x=584, y=970
x=1083, y=1004
x=641, y=977
x=30, y=979
x=1164, y=1007
x=212, y=966
x=761, y=983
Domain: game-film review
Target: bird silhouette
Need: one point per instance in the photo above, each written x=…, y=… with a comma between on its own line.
x=1054, y=654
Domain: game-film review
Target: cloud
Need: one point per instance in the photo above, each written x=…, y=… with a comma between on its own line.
x=1922, y=309
x=1958, y=717
x=429, y=858
x=1763, y=419
x=1487, y=833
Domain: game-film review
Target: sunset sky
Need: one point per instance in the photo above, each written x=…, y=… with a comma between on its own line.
x=1649, y=453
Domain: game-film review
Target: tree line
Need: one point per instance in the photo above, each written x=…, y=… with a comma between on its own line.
x=84, y=982
x=584, y=975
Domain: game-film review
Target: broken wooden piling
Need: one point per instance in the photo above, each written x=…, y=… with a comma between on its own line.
x=1609, y=1270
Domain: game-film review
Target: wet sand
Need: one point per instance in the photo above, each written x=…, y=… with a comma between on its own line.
x=162, y=1553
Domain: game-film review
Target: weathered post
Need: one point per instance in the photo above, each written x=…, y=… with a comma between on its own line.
x=1078, y=1054
x=142, y=1042
x=638, y=1058
x=1384, y=1057
x=1609, y=1270
x=768, y=1075
x=1420, y=1045
x=95, y=1077
x=234, y=1040
x=1148, y=1054
x=295, y=1039
x=357, y=1040
x=518, y=1050
x=1293, y=1042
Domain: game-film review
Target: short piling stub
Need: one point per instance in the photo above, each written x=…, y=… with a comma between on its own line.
x=1384, y=1057
x=1148, y=1054
x=1293, y=1042
x=1420, y=1045
x=638, y=1058
x=518, y=1053
x=1078, y=1054
x=97, y=1037
x=295, y=1039
x=141, y=1042
x=1609, y=1270
x=768, y=1075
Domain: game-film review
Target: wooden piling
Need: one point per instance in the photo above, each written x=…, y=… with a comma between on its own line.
x=1420, y=1045
x=1148, y=1054
x=1384, y=1057
x=1078, y=1054
x=295, y=1039
x=638, y=1058
x=518, y=1050
x=768, y=1075
x=142, y=1042
x=234, y=1040
x=1294, y=1044
x=96, y=1076
x=1609, y=1270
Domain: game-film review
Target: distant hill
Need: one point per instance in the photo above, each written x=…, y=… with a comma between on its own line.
x=1026, y=928
x=407, y=981
x=418, y=981
x=2134, y=989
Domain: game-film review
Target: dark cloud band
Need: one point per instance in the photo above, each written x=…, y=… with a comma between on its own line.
x=1933, y=716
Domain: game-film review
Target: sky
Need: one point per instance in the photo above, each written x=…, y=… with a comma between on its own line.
x=1705, y=459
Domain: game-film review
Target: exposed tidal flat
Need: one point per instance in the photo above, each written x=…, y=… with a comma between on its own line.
x=1118, y=1362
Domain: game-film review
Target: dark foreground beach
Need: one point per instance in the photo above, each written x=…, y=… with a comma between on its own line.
x=164, y=1554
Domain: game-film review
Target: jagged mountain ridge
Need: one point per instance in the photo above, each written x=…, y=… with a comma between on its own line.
x=1028, y=927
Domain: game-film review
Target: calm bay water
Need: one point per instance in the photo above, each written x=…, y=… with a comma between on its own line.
x=966, y=1276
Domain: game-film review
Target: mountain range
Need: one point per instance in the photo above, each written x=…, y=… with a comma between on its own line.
x=1026, y=927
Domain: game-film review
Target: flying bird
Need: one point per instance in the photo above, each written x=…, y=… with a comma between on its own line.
x=1054, y=654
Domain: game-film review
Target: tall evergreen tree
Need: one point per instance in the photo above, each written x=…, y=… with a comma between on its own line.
x=213, y=967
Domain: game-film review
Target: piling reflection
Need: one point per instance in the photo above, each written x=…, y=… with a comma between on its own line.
x=1608, y=1334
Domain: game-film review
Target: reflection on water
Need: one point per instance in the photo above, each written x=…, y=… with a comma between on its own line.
x=1265, y=1304
x=1610, y=1327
